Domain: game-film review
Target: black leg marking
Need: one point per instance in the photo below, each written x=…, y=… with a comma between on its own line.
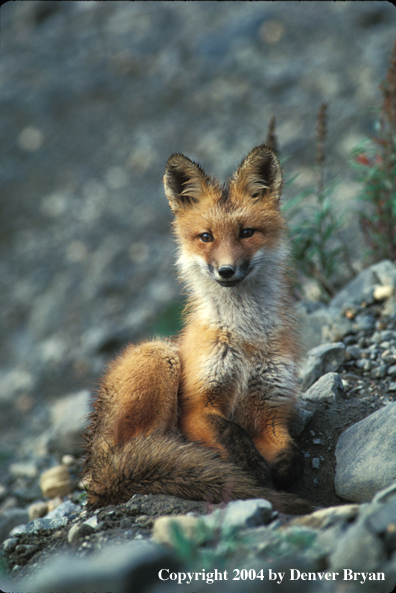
x=288, y=466
x=241, y=450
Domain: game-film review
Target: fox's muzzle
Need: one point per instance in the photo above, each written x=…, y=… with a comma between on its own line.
x=229, y=275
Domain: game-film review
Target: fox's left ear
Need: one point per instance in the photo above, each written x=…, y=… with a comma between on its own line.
x=184, y=181
x=260, y=174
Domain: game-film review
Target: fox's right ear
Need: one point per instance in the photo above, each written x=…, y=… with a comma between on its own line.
x=184, y=182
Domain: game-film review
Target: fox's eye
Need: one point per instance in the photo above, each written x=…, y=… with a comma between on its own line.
x=206, y=237
x=246, y=233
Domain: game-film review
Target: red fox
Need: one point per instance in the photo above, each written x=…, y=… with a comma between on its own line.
x=205, y=416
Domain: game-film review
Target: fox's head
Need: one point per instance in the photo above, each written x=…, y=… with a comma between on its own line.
x=227, y=233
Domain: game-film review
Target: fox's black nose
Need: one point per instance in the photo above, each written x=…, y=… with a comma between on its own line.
x=226, y=271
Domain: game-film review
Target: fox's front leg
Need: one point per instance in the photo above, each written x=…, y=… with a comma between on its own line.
x=207, y=425
x=275, y=444
x=266, y=414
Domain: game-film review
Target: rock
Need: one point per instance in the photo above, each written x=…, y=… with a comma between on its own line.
x=56, y=481
x=114, y=569
x=23, y=470
x=69, y=419
x=10, y=519
x=365, y=456
x=324, y=518
x=364, y=364
x=9, y=503
x=356, y=290
x=165, y=529
x=390, y=306
x=352, y=352
x=77, y=532
x=337, y=329
x=383, y=336
x=92, y=522
x=382, y=520
x=321, y=360
x=305, y=411
x=242, y=514
x=14, y=382
x=37, y=510
x=18, y=530
x=386, y=494
x=385, y=271
x=311, y=325
x=316, y=462
x=379, y=372
x=68, y=460
x=26, y=550
x=359, y=550
x=364, y=323
x=54, y=503
x=367, y=542
x=383, y=292
x=327, y=388
x=10, y=544
x=46, y=523
x=64, y=509
x=365, y=285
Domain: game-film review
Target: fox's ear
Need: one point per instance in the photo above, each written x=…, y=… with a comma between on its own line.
x=260, y=174
x=184, y=182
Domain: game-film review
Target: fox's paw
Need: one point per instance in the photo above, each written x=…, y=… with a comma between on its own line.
x=288, y=466
x=241, y=450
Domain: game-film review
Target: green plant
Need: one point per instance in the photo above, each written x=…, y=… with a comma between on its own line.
x=375, y=161
x=208, y=546
x=82, y=498
x=315, y=226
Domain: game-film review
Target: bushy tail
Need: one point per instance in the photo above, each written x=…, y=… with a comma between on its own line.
x=165, y=464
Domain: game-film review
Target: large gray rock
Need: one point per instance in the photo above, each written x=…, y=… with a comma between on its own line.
x=360, y=550
x=323, y=359
x=327, y=388
x=132, y=566
x=365, y=454
x=366, y=543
